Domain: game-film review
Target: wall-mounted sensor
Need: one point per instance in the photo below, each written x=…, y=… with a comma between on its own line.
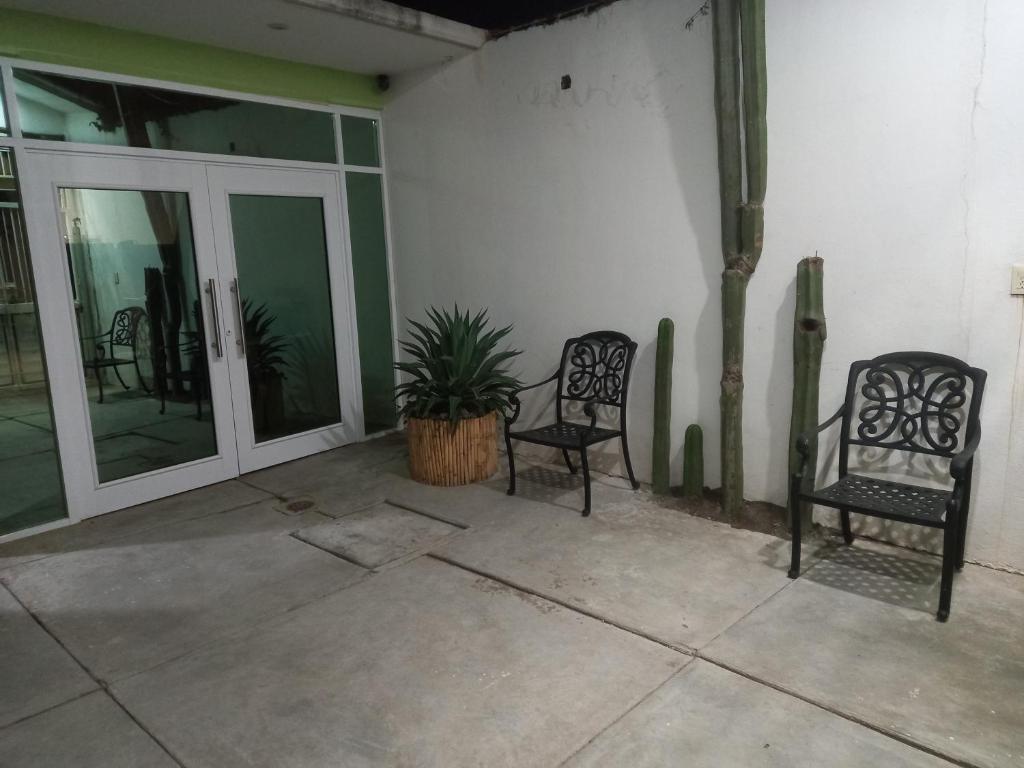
x=1017, y=280
x=566, y=82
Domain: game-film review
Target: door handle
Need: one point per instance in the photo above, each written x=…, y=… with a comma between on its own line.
x=240, y=338
x=217, y=345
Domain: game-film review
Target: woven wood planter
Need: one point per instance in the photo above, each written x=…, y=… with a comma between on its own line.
x=439, y=455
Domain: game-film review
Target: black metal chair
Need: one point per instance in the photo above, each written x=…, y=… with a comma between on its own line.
x=123, y=335
x=918, y=402
x=594, y=370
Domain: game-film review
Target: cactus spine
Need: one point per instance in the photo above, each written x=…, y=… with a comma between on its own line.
x=663, y=406
x=808, y=343
x=693, y=461
x=738, y=30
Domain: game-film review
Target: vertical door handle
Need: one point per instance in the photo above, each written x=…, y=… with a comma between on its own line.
x=217, y=345
x=240, y=339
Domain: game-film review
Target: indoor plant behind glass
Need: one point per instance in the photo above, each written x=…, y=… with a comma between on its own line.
x=455, y=386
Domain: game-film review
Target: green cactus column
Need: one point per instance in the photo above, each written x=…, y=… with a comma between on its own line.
x=809, y=335
x=740, y=77
x=693, y=462
x=663, y=407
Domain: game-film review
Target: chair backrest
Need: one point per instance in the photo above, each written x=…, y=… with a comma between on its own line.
x=920, y=402
x=124, y=326
x=596, y=366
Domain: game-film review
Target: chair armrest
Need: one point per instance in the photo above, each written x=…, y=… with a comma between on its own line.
x=958, y=466
x=803, y=441
x=93, y=338
x=513, y=397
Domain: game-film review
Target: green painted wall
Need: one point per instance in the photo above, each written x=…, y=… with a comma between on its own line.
x=54, y=40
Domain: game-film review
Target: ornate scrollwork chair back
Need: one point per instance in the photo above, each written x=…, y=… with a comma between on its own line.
x=917, y=402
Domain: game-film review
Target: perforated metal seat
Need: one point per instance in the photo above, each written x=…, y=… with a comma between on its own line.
x=884, y=498
x=565, y=435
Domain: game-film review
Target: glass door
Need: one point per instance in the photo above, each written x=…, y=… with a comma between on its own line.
x=290, y=337
x=135, y=341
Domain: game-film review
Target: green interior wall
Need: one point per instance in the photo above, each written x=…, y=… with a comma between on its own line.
x=38, y=37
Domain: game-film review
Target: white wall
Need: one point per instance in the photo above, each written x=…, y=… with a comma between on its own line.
x=894, y=132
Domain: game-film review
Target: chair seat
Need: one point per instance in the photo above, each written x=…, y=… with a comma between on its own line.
x=564, y=435
x=884, y=498
x=107, y=362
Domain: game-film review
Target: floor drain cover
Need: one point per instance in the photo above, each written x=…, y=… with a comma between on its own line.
x=299, y=506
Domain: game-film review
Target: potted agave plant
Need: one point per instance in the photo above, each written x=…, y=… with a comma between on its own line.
x=456, y=385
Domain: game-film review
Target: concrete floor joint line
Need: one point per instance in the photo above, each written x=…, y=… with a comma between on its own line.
x=567, y=605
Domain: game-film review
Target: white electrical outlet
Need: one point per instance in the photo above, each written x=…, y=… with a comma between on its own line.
x=1017, y=280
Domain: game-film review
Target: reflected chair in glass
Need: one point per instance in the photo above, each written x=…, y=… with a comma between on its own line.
x=594, y=370
x=191, y=347
x=118, y=347
x=912, y=402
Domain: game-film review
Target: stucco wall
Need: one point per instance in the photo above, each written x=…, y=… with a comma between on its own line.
x=893, y=152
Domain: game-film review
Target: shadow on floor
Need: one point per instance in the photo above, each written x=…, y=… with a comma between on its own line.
x=905, y=580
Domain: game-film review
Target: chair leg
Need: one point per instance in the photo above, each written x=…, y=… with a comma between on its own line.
x=629, y=464
x=844, y=517
x=586, y=480
x=99, y=382
x=142, y=382
x=117, y=372
x=950, y=548
x=794, y=513
x=511, y=465
x=961, y=542
x=568, y=461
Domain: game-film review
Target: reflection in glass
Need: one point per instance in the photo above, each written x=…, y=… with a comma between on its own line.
x=62, y=108
x=283, y=277
x=373, y=304
x=5, y=127
x=359, y=141
x=30, y=483
x=140, y=322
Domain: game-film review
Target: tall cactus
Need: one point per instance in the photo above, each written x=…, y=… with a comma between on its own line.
x=693, y=461
x=738, y=30
x=663, y=406
x=808, y=343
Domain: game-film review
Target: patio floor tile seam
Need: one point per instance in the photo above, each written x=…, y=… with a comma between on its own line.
x=626, y=712
x=255, y=625
x=104, y=541
x=678, y=648
x=894, y=735
x=100, y=684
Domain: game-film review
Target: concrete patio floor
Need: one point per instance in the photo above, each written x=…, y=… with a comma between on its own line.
x=392, y=624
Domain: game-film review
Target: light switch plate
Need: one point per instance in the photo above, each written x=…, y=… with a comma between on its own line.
x=1017, y=280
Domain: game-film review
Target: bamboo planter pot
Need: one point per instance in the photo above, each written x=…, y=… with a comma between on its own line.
x=440, y=455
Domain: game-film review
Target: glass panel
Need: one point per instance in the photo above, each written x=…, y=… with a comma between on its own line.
x=281, y=254
x=30, y=481
x=373, y=299
x=141, y=328
x=359, y=141
x=67, y=109
x=74, y=109
x=5, y=128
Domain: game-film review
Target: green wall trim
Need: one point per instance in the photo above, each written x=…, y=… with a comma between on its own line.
x=54, y=40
